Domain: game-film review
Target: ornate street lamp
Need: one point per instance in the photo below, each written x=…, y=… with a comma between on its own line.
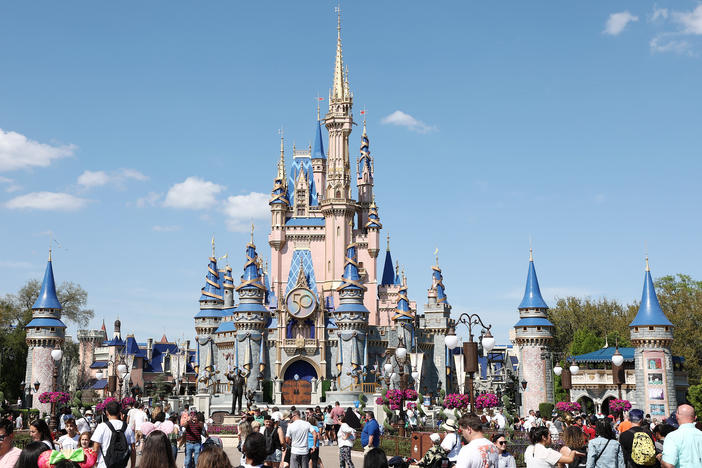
x=470, y=349
x=56, y=355
x=557, y=369
x=617, y=369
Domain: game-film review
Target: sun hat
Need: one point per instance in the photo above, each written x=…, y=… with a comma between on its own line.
x=449, y=425
x=436, y=438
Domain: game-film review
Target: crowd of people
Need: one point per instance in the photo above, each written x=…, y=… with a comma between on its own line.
x=292, y=439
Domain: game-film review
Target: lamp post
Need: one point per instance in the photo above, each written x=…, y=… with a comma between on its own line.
x=56, y=355
x=618, y=369
x=470, y=349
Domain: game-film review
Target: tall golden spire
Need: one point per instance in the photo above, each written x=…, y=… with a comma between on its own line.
x=339, y=92
x=281, y=162
x=648, y=268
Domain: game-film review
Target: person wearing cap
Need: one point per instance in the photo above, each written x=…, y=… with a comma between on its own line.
x=436, y=452
x=452, y=440
x=626, y=439
x=85, y=424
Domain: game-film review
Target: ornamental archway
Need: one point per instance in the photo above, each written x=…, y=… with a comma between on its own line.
x=297, y=382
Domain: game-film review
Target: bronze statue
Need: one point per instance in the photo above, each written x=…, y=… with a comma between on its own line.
x=238, y=381
x=250, y=395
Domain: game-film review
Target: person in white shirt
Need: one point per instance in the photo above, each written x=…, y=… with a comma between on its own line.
x=346, y=436
x=529, y=421
x=69, y=441
x=136, y=419
x=86, y=423
x=452, y=440
x=500, y=420
x=102, y=435
x=539, y=455
x=18, y=421
x=296, y=437
x=480, y=452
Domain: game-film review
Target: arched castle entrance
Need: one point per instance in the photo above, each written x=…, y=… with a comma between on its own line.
x=297, y=385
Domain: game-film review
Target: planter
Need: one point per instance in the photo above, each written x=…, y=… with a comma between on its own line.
x=228, y=440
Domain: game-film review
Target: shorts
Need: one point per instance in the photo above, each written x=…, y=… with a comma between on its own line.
x=328, y=427
x=314, y=455
x=287, y=455
x=275, y=457
x=337, y=427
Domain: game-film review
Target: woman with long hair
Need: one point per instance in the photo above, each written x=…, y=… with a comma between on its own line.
x=375, y=458
x=39, y=432
x=30, y=454
x=505, y=460
x=604, y=451
x=539, y=454
x=213, y=457
x=157, y=452
x=244, y=430
x=575, y=439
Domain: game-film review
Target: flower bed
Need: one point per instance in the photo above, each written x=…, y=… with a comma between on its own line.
x=55, y=397
x=568, y=406
x=222, y=429
x=456, y=401
x=486, y=400
x=617, y=406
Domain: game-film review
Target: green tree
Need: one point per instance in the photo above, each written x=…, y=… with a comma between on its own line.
x=16, y=312
x=681, y=300
x=694, y=395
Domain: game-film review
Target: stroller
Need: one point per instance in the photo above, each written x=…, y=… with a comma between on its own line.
x=400, y=462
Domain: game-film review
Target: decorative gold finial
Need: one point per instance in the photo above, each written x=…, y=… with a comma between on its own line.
x=49, y=253
x=213, y=246
x=436, y=254
x=252, y=233
x=363, y=113
x=319, y=99
x=531, y=254
x=647, y=267
x=388, y=247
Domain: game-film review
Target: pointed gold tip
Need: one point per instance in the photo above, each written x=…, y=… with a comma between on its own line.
x=388, y=247
x=49, y=253
x=531, y=254
x=213, y=245
x=252, y=233
x=648, y=268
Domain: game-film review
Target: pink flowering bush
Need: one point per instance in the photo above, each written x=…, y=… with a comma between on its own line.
x=379, y=401
x=617, y=406
x=101, y=406
x=55, y=397
x=568, y=406
x=486, y=400
x=411, y=394
x=456, y=401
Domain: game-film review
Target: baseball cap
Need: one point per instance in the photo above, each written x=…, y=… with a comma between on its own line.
x=636, y=415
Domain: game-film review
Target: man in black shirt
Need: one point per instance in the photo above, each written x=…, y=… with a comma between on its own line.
x=626, y=439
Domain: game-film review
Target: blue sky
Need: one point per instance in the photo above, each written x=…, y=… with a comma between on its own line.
x=575, y=124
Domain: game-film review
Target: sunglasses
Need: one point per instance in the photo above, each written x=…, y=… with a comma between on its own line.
x=504, y=442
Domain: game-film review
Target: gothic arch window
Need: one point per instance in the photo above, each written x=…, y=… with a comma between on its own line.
x=338, y=194
x=166, y=363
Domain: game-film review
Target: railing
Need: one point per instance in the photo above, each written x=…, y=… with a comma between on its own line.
x=300, y=343
x=370, y=387
x=220, y=387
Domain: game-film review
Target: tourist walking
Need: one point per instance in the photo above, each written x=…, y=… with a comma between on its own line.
x=336, y=413
x=8, y=452
x=214, y=457
x=114, y=430
x=452, y=440
x=296, y=437
x=275, y=441
x=682, y=448
x=329, y=425
x=604, y=451
x=638, y=442
x=194, y=430
x=157, y=451
x=540, y=455
x=29, y=458
x=479, y=452
x=39, y=432
x=346, y=436
x=505, y=459
x=375, y=458
x=86, y=423
x=70, y=440
x=574, y=439
x=370, y=436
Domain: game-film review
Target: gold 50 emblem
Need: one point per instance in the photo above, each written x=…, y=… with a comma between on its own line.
x=301, y=302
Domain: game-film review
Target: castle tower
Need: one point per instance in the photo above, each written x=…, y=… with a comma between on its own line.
x=88, y=342
x=45, y=332
x=364, y=180
x=533, y=335
x=228, y=288
x=405, y=334
x=436, y=323
x=388, y=289
x=279, y=203
x=352, y=320
x=250, y=318
x=208, y=319
x=319, y=158
x=651, y=335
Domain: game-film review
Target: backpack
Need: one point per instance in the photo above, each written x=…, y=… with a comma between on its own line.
x=118, y=451
x=643, y=452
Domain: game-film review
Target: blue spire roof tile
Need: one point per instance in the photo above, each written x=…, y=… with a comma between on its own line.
x=532, y=293
x=650, y=311
x=318, y=148
x=47, y=296
x=388, y=277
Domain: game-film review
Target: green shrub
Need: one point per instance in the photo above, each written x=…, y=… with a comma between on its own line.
x=546, y=409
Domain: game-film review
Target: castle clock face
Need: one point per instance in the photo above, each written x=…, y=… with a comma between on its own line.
x=301, y=302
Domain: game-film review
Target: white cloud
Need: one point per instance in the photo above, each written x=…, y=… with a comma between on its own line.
x=47, y=201
x=241, y=210
x=166, y=228
x=402, y=119
x=89, y=179
x=690, y=20
x=193, y=194
x=618, y=21
x=19, y=152
x=93, y=178
x=664, y=43
x=659, y=13
x=151, y=199
x=11, y=185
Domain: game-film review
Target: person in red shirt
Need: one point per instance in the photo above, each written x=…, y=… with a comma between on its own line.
x=589, y=428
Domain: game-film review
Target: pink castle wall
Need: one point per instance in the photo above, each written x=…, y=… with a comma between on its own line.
x=534, y=372
x=43, y=372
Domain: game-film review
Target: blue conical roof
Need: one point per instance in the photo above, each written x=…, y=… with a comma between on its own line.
x=388, y=277
x=439, y=284
x=251, y=279
x=403, y=311
x=373, y=218
x=364, y=162
x=47, y=296
x=351, y=279
x=532, y=294
x=318, y=148
x=212, y=291
x=650, y=312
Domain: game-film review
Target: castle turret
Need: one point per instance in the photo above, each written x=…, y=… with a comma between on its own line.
x=651, y=335
x=228, y=288
x=388, y=289
x=279, y=203
x=352, y=320
x=319, y=158
x=435, y=324
x=533, y=335
x=45, y=332
x=364, y=179
x=251, y=317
